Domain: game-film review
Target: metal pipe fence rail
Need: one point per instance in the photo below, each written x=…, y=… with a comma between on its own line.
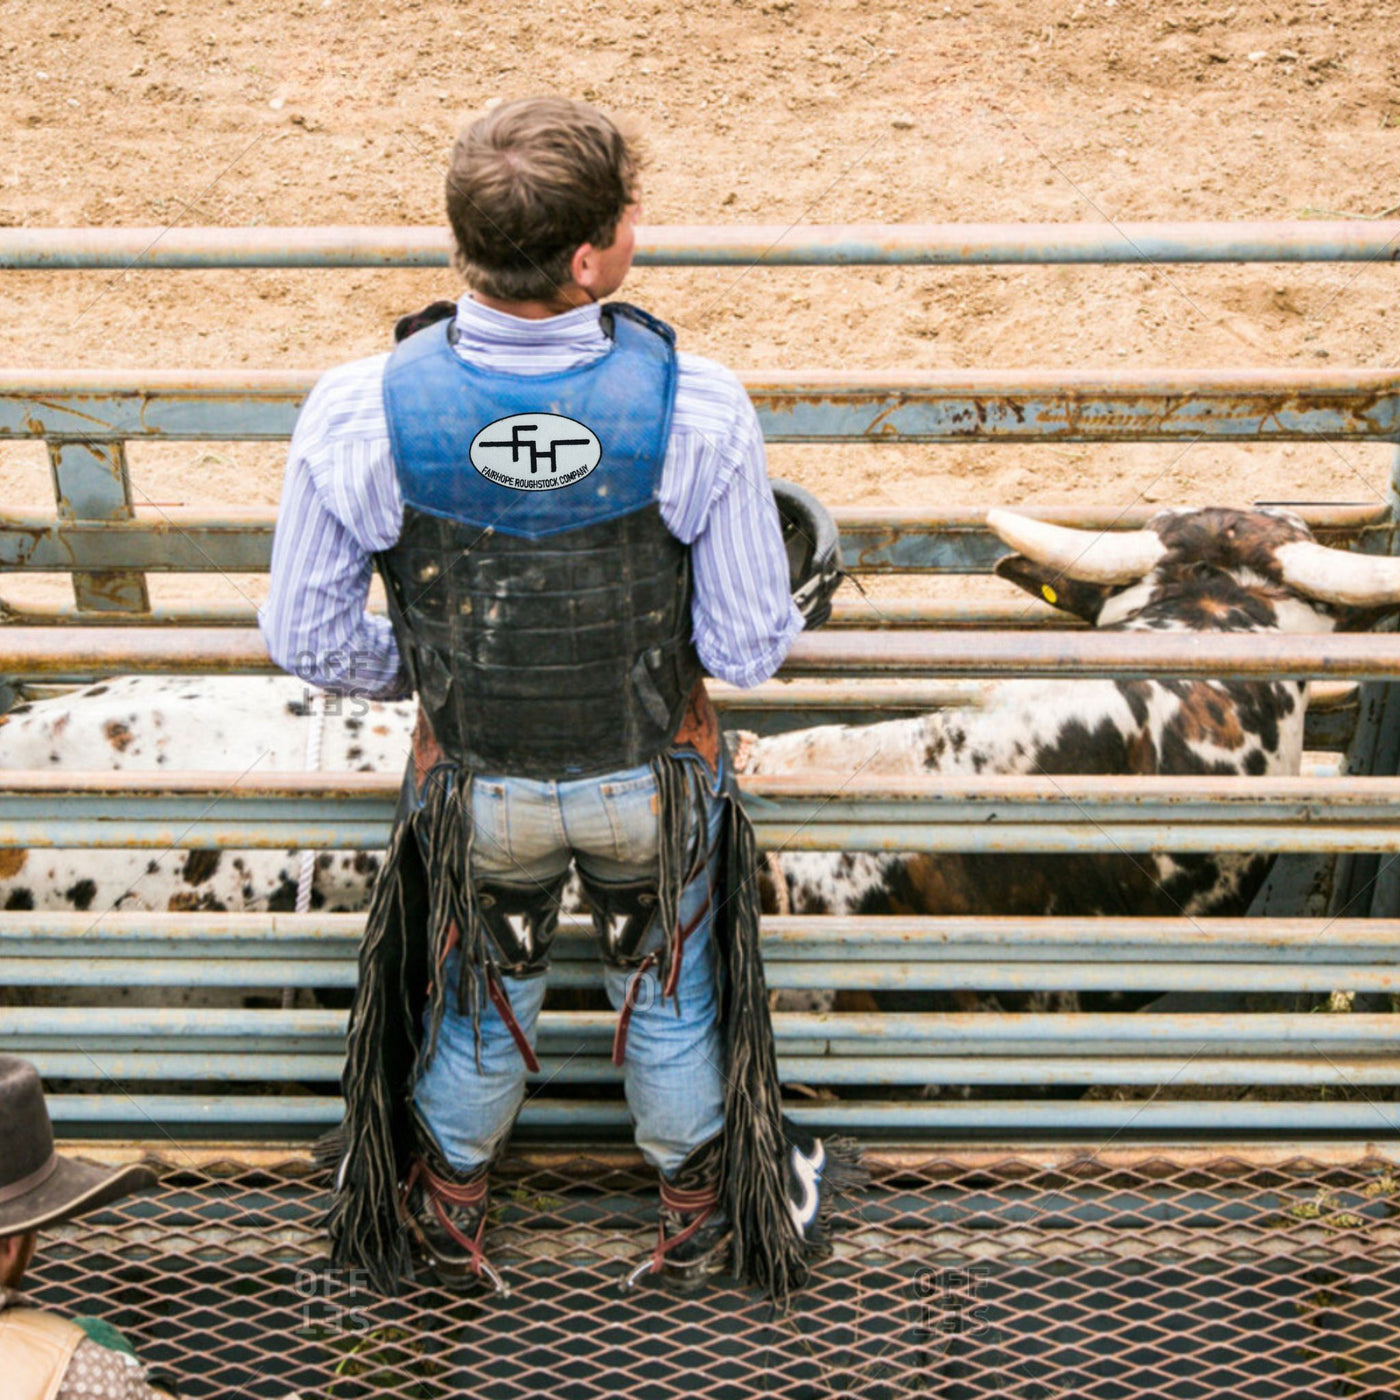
x=86, y=419
x=809, y=405
x=40, y=652
x=352, y=811
x=814, y=812
x=109, y=543
x=177, y=539
x=258, y=1068
x=764, y=245
x=962, y=1272
x=872, y=1073
x=882, y=658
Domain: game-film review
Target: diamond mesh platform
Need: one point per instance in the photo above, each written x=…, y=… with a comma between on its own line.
x=969, y=1274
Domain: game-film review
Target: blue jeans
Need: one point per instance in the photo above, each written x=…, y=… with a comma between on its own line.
x=525, y=833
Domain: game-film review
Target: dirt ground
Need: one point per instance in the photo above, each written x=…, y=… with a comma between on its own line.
x=784, y=111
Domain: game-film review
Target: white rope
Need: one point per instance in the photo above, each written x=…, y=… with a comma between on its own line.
x=317, y=712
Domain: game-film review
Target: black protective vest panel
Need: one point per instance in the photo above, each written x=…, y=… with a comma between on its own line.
x=560, y=657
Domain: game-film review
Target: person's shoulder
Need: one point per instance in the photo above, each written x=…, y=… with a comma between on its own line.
x=697, y=369
x=101, y=1332
x=708, y=393
x=348, y=398
x=352, y=378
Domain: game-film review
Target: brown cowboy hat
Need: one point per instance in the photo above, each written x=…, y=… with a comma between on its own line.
x=37, y=1186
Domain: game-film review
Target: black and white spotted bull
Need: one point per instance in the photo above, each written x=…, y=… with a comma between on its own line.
x=1210, y=570
x=1198, y=570
x=233, y=724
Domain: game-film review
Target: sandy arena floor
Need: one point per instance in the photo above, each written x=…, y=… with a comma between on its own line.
x=340, y=111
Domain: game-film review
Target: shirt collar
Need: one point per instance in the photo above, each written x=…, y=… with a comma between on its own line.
x=483, y=327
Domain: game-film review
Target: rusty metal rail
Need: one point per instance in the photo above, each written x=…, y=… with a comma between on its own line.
x=814, y=812
x=108, y=544
x=845, y=612
x=1282, y=405
x=73, y=652
x=175, y=539
x=771, y=245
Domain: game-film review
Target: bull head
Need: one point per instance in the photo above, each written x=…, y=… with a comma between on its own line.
x=1080, y=569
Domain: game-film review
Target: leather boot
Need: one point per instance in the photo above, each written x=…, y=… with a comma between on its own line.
x=445, y=1212
x=693, y=1237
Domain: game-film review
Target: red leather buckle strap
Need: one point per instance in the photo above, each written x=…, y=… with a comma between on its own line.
x=441, y=1193
x=673, y=981
x=500, y=999
x=629, y=1004
x=700, y=1201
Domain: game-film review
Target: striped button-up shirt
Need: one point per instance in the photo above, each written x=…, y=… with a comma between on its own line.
x=341, y=505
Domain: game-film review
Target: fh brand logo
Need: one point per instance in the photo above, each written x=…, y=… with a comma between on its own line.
x=535, y=451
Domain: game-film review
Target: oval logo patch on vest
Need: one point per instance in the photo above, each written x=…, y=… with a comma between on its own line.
x=535, y=451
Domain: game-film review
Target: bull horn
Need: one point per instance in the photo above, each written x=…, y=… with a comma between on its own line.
x=1338, y=575
x=1091, y=556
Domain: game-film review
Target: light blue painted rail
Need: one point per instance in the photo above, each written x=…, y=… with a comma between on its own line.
x=907, y=1121
x=769, y=245
x=250, y=1069
x=793, y=406
x=809, y=812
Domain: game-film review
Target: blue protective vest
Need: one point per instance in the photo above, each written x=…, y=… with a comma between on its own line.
x=541, y=605
x=478, y=446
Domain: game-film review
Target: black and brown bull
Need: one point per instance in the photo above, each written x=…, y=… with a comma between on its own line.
x=1209, y=570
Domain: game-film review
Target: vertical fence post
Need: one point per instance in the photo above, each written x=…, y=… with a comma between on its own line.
x=91, y=482
x=1368, y=886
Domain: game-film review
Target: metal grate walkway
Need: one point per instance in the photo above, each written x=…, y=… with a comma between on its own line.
x=981, y=1273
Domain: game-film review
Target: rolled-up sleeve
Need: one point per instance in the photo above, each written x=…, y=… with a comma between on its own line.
x=339, y=505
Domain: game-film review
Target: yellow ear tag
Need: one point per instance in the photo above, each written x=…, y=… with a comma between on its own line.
x=1049, y=593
